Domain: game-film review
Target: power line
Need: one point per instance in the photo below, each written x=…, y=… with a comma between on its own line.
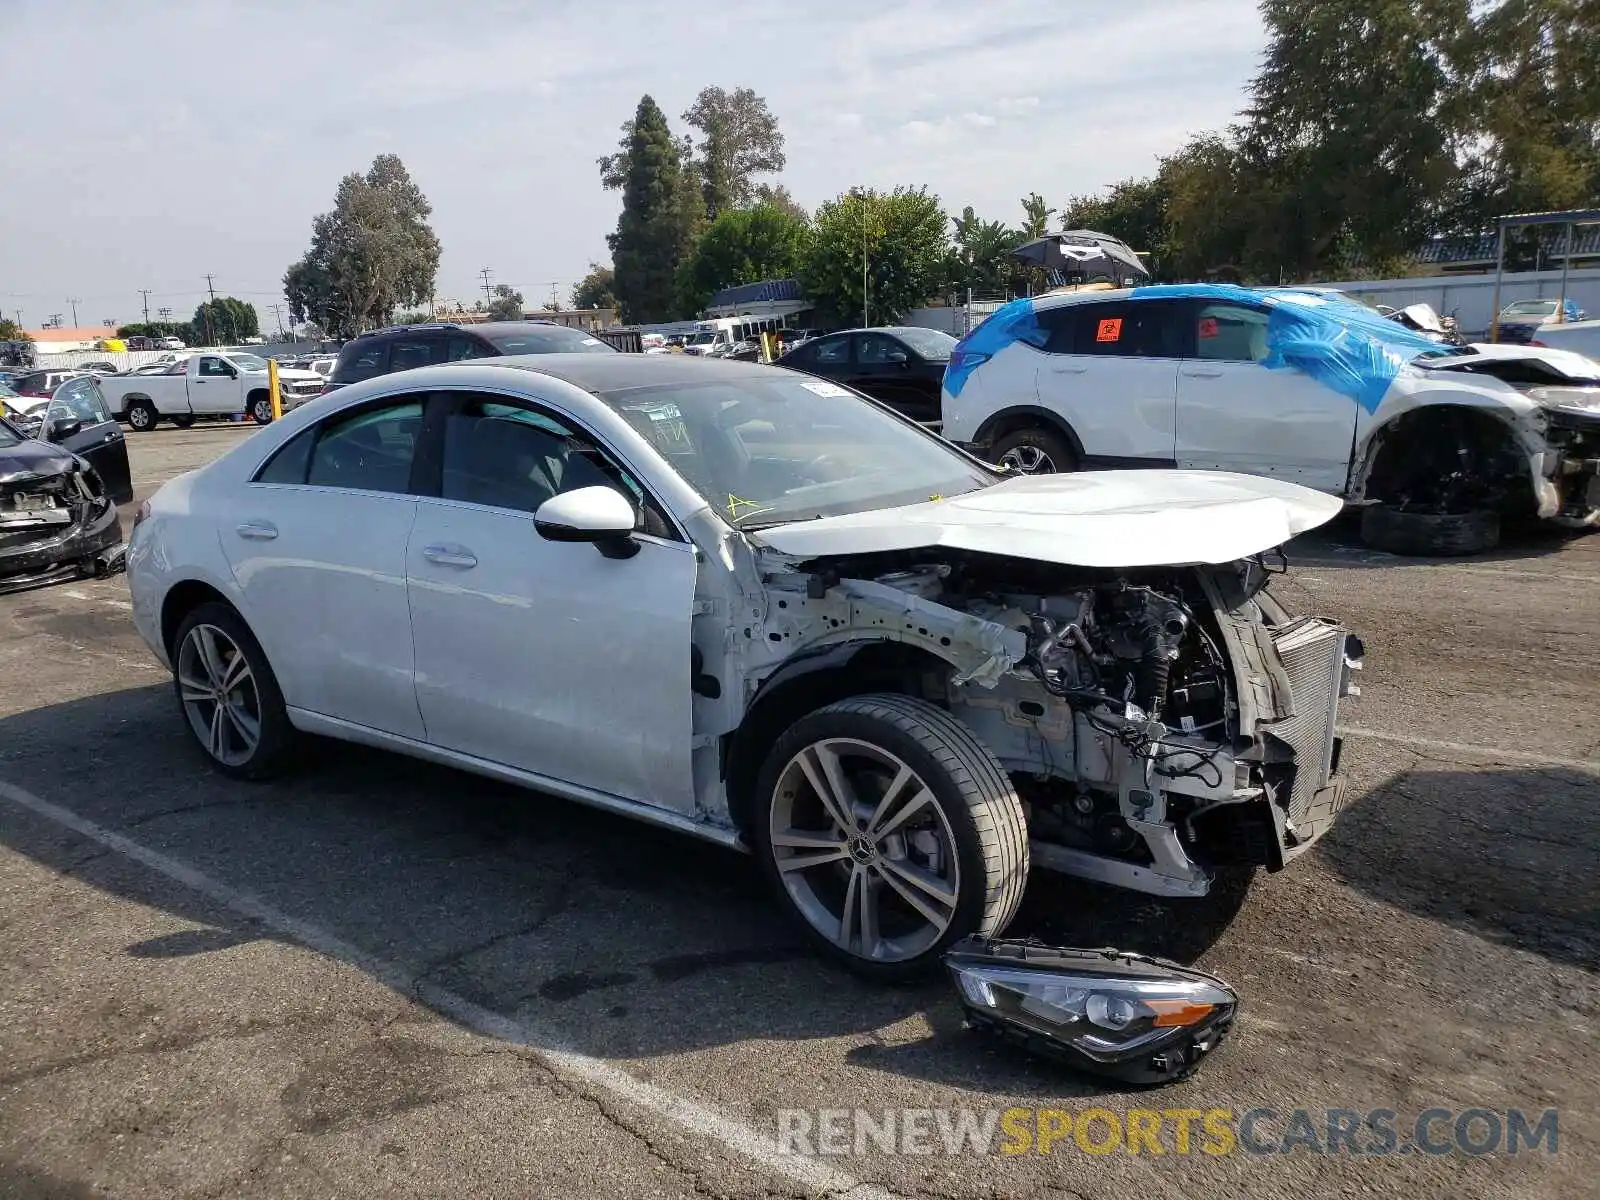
x=484, y=275
x=145, y=292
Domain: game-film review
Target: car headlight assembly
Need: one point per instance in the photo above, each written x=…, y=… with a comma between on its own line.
x=1136, y=1019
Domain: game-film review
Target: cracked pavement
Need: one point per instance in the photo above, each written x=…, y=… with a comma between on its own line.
x=1439, y=948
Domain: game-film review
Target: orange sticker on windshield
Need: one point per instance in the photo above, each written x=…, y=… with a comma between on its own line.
x=1208, y=327
x=1110, y=330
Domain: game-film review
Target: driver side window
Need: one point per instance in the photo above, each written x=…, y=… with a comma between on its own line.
x=214, y=368
x=1230, y=333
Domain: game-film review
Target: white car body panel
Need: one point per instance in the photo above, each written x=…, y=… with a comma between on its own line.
x=1144, y=425
x=1579, y=337
x=507, y=664
x=1089, y=519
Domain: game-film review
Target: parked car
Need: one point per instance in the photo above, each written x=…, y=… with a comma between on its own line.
x=43, y=383
x=1519, y=320
x=170, y=343
x=100, y=368
x=140, y=342
x=206, y=385
x=404, y=347
x=1436, y=442
x=920, y=641
x=1580, y=337
x=63, y=470
x=903, y=366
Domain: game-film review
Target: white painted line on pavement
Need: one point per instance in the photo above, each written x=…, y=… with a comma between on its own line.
x=111, y=600
x=693, y=1117
x=1405, y=739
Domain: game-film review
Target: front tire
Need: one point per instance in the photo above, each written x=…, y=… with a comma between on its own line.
x=142, y=416
x=1430, y=535
x=1035, y=451
x=261, y=410
x=229, y=696
x=889, y=831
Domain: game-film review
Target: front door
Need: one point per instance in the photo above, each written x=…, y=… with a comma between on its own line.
x=885, y=369
x=547, y=656
x=317, y=544
x=214, y=387
x=88, y=429
x=1236, y=414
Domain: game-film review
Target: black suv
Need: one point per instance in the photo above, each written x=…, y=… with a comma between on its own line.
x=401, y=347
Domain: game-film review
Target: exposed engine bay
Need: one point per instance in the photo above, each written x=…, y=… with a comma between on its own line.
x=1158, y=723
x=55, y=526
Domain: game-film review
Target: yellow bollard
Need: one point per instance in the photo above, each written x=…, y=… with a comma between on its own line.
x=274, y=390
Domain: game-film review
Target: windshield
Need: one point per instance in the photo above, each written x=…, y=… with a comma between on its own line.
x=8, y=436
x=702, y=339
x=786, y=447
x=248, y=362
x=1531, y=308
x=930, y=343
x=548, y=339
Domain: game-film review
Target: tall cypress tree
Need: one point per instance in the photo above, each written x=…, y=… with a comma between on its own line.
x=649, y=239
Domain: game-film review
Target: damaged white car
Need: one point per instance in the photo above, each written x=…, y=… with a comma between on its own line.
x=747, y=604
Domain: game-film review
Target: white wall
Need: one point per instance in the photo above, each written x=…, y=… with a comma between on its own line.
x=1470, y=298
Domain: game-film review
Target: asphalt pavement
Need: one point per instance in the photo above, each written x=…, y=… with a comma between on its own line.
x=378, y=977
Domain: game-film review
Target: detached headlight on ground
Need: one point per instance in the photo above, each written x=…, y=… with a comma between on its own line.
x=1137, y=1019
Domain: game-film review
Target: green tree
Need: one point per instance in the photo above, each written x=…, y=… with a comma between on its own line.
x=743, y=245
x=1036, y=216
x=594, y=290
x=980, y=254
x=775, y=195
x=374, y=252
x=226, y=320
x=507, y=303
x=652, y=234
x=10, y=331
x=903, y=235
x=739, y=139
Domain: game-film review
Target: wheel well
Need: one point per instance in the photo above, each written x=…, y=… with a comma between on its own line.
x=1448, y=457
x=810, y=682
x=250, y=396
x=1026, y=417
x=182, y=599
x=130, y=400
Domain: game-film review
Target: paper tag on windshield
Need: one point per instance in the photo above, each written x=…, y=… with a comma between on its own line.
x=824, y=389
x=591, y=341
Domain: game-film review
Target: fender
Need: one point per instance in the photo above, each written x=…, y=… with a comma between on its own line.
x=1027, y=414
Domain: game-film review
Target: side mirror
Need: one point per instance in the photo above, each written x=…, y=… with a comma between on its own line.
x=600, y=515
x=63, y=427
x=899, y=358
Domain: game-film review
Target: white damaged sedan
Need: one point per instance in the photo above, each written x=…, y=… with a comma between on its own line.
x=752, y=606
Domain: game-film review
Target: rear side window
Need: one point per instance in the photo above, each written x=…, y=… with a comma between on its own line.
x=362, y=360
x=459, y=348
x=1230, y=333
x=288, y=464
x=370, y=450
x=834, y=351
x=406, y=353
x=548, y=339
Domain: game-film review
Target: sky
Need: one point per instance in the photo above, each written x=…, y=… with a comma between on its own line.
x=181, y=139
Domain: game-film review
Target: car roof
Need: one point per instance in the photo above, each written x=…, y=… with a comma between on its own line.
x=482, y=327
x=600, y=373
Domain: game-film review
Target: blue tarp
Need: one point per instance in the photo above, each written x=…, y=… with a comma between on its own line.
x=1344, y=346
x=1350, y=348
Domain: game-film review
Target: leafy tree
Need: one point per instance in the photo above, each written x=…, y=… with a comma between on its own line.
x=1133, y=210
x=739, y=139
x=980, y=256
x=507, y=303
x=225, y=320
x=594, y=290
x=1036, y=216
x=903, y=234
x=372, y=253
x=743, y=245
x=10, y=331
x=653, y=230
x=775, y=195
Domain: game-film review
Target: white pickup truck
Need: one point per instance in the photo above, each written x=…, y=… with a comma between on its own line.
x=205, y=385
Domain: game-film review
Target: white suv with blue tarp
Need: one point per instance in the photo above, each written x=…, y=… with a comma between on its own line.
x=1436, y=443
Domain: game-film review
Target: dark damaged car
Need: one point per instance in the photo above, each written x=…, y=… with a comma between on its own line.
x=58, y=517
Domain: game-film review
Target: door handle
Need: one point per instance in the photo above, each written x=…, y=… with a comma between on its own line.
x=257, y=531
x=1203, y=372
x=450, y=556
x=111, y=437
x=1069, y=370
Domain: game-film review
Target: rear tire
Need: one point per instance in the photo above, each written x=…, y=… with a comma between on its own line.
x=183, y=422
x=1035, y=450
x=1429, y=535
x=252, y=738
x=945, y=858
x=141, y=416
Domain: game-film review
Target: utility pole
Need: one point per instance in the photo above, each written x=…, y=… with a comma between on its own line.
x=165, y=315
x=863, y=260
x=145, y=292
x=484, y=275
x=555, y=300
x=210, y=287
x=73, y=301
x=277, y=313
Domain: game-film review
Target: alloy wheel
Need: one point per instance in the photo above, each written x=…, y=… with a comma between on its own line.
x=1029, y=460
x=219, y=695
x=864, y=850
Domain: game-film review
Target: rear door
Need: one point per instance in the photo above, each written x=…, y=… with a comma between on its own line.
x=886, y=369
x=411, y=350
x=1235, y=414
x=1110, y=369
x=79, y=420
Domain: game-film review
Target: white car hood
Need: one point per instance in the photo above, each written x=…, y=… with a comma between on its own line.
x=1088, y=519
